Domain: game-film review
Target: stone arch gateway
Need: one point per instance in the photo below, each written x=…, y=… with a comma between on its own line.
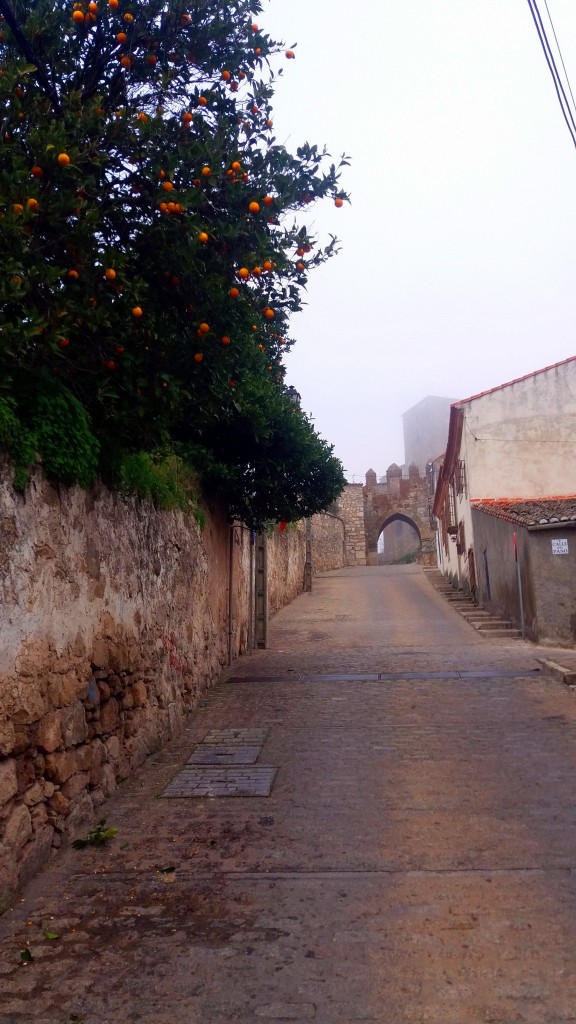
x=367, y=508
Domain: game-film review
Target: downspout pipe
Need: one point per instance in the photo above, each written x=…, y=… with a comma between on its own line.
x=230, y=598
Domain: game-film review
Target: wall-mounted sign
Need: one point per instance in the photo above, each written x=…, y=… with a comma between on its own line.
x=559, y=547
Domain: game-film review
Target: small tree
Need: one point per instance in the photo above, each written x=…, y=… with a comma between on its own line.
x=152, y=249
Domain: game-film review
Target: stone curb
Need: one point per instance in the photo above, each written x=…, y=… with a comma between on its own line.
x=558, y=672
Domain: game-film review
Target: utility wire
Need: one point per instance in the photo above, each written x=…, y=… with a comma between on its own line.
x=559, y=52
x=561, y=94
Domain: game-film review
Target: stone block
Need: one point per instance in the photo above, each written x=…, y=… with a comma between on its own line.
x=34, y=795
x=17, y=828
x=25, y=772
x=39, y=815
x=48, y=734
x=104, y=690
x=90, y=756
x=6, y=737
x=49, y=789
x=66, y=689
x=73, y=725
x=112, y=745
x=58, y=803
x=75, y=784
x=139, y=693
x=109, y=716
x=8, y=780
x=60, y=766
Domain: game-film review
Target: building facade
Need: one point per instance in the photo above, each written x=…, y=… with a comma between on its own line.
x=516, y=441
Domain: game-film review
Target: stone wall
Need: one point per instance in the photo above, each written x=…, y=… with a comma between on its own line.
x=115, y=618
x=328, y=543
x=350, y=507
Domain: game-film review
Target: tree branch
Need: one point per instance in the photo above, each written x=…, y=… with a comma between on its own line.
x=30, y=56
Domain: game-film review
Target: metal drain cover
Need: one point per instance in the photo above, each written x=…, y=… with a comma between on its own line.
x=222, y=781
x=213, y=753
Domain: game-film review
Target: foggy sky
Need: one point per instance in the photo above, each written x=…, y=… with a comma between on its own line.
x=459, y=249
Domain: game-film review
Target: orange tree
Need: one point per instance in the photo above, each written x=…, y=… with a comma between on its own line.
x=153, y=251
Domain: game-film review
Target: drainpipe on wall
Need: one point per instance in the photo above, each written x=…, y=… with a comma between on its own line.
x=519, y=578
x=251, y=643
x=230, y=598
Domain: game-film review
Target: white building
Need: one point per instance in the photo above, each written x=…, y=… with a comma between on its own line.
x=514, y=441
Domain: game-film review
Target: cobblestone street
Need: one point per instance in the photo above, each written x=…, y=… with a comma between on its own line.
x=414, y=862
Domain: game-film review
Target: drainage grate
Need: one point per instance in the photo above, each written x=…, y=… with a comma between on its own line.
x=220, y=753
x=222, y=781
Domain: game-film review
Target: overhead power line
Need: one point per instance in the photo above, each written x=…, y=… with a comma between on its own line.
x=567, y=105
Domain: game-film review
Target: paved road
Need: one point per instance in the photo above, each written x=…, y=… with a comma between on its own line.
x=415, y=861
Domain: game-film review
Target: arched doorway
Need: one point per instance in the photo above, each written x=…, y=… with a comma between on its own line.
x=399, y=541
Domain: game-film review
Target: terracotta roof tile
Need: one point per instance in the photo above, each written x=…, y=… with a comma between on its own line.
x=532, y=512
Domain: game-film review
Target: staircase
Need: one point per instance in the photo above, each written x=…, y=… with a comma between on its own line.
x=483, y=622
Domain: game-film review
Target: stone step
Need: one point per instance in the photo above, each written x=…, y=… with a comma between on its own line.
x=491, y=624
x=503, y=634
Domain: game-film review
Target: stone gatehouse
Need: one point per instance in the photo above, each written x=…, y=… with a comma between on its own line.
x=367, y=509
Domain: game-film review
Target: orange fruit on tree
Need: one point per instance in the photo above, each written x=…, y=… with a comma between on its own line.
x=73, y=275
x=137, y=311
x=142, y=117
x=206, y=172
x=63, y=342
x=268, y=200
x=269, y=313
x=121, y=37
x=128, y=17
x=32, y=204
x=78, y=17
x=254, y=207
x=204, y=328
x=202, y=101
x=225, y=339
x=126, y=61
x=113, y=4
x=167, y=185
x=267, y=266
x=236, y=166
x=152, y=59
x=234, y=293
x=198, y=357
x=110, y=274
x=290, y=54
x=300, y=266
x=93, y=7
x=338, y=202
x=255, y=28
x=244, y=273
x=257, y=271
x=226, y=76
x=37, y=171
x=203, y=237
x=63, y=159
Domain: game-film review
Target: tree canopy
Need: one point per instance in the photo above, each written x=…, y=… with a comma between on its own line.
x=154, y=246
